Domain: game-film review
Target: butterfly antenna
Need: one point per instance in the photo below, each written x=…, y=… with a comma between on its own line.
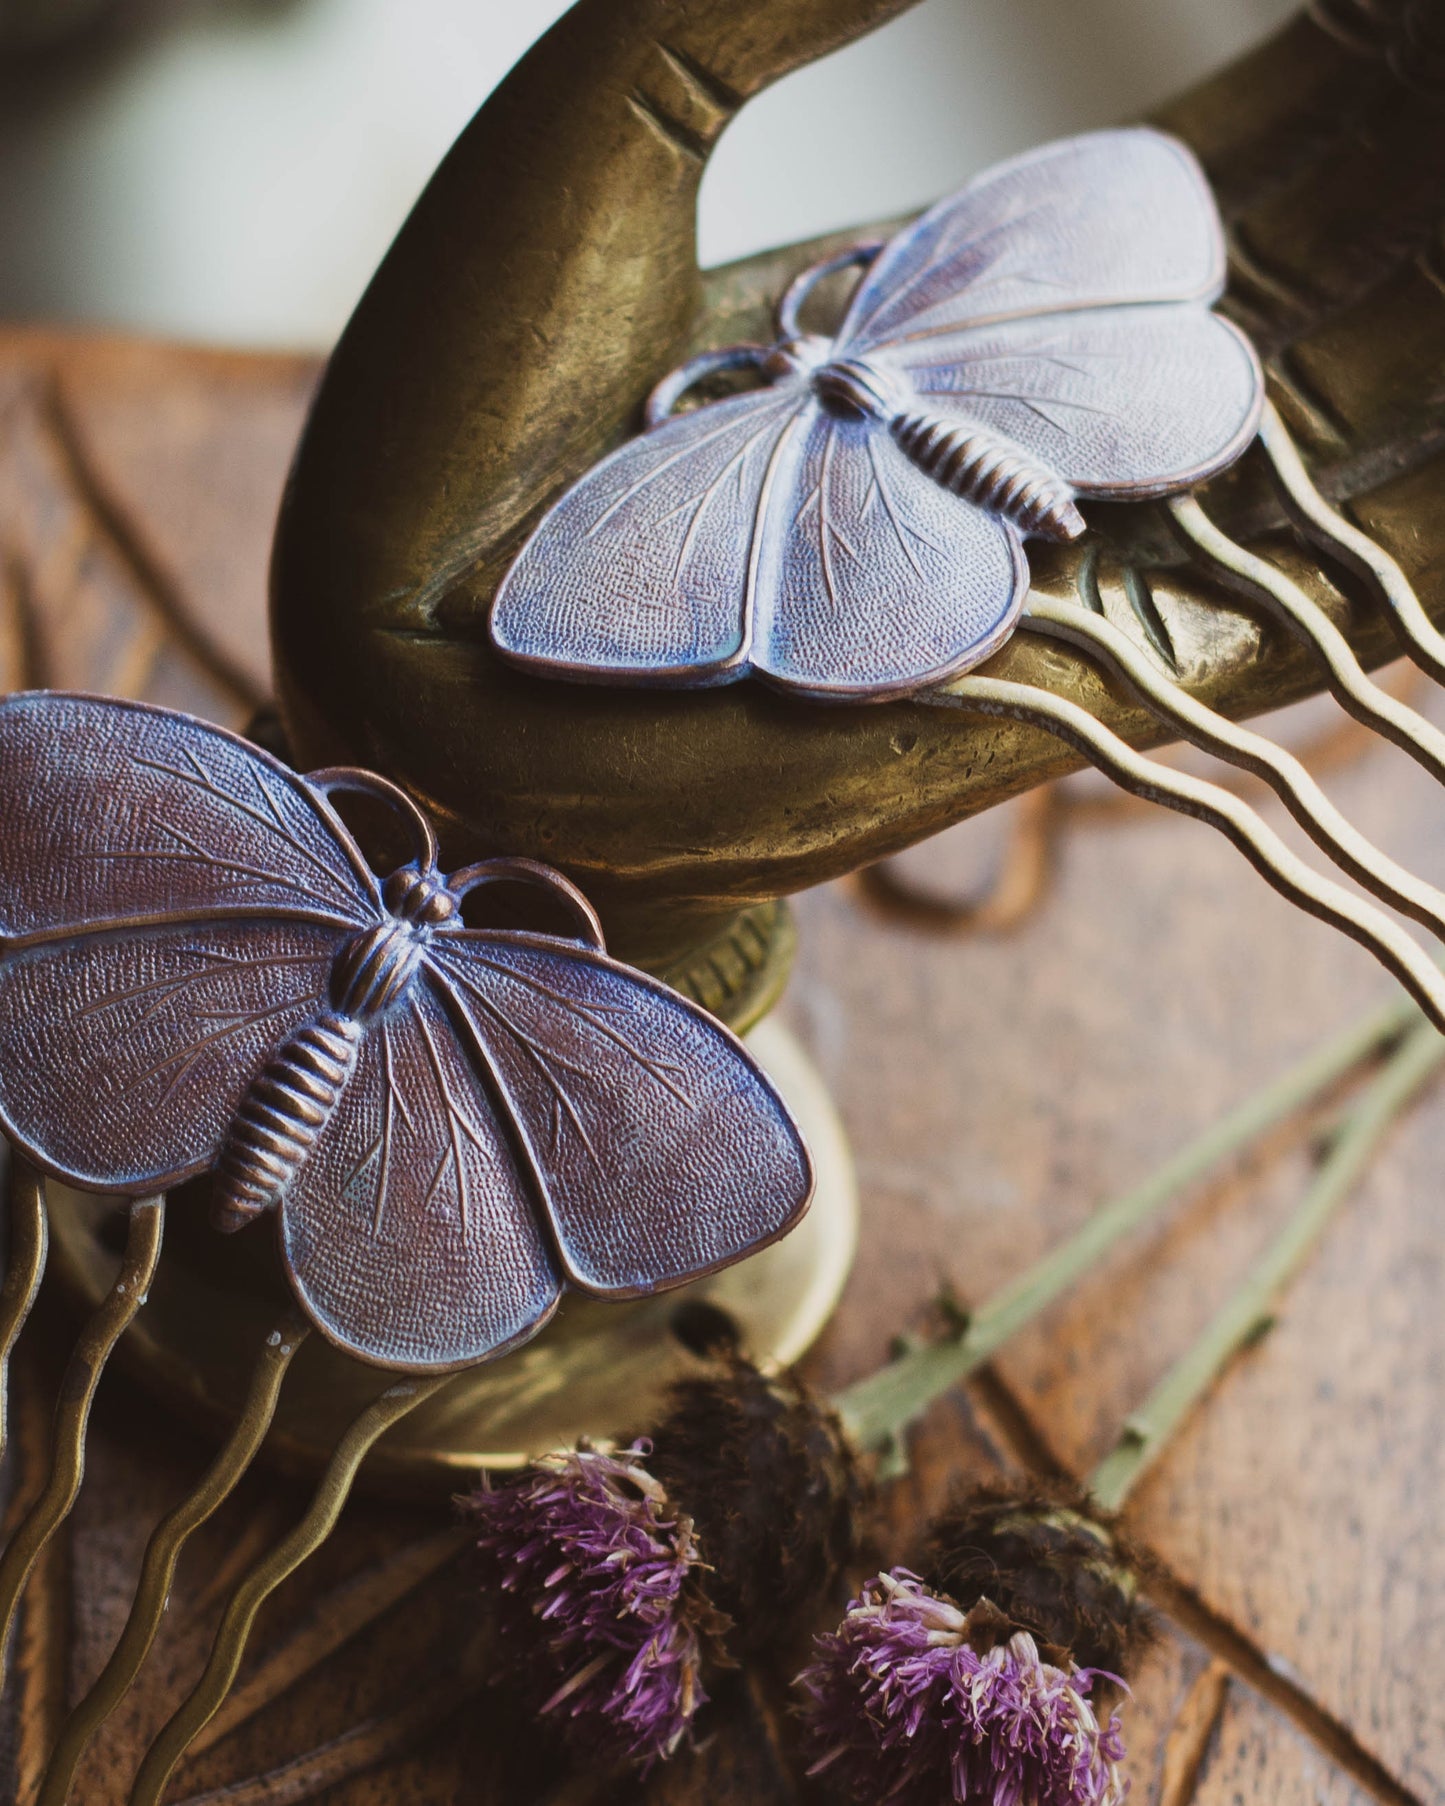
x=311, y=1532
x=72, y=1412
x=28, y=1229
x=1222, y=809
x=158, y=1566
x=1248, y=751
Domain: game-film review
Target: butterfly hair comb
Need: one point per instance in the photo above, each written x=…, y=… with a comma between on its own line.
x=199, y=972
x=853, y=528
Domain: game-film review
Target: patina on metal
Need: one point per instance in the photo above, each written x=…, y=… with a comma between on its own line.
x=548, y=280
x=201, y=972
x=854, y=529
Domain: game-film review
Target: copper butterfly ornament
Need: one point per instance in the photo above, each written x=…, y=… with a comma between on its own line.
x=853, y=528
x=199, y=971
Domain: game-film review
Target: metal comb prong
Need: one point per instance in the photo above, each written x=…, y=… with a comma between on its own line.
x=227, y=1651
x=158, y=1566
x=1249, y=751
x=72, y=1413
x=1327, y=528
x=28, y=1234
x=1345, y=677
x=1222, y=809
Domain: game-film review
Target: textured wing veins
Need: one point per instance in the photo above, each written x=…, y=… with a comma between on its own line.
x=651, y=476
x=656, y=1070
x=272, y=818
x=825, y=548
x=941, y=254
x=195, y=854
x=698, y=504
x=457, y=1126
x=829, y=532
x=186, y=1058
x=164, y=990
x=1034, y=356
x=1035, y=406
x=543, y=1059
x=902, y=531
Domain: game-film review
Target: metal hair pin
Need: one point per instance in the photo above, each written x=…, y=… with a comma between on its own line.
x=853, y=530
x=199, y=971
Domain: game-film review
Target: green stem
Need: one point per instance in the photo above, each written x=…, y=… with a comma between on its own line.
x=1251, y=1311
x=875, y=1411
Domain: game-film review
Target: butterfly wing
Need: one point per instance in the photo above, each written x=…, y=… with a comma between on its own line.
x=409, y=1231
x=660, y=1150
x=1123, y=402
x=873, y=580
x=124, y=1055
x=1100, y=220
x=642, y=573
x=116, y=812
x=170, y=901
x=1059, y=302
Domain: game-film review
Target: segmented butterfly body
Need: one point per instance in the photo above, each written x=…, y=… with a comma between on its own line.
x=201, y=973
x=982, y=468
x=280, y=1118
x=291, y=1102
x=853, y=528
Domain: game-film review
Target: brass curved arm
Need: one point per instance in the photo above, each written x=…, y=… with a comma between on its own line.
x=548, y=277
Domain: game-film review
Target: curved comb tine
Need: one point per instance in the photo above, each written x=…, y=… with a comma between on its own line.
x=1233, y=817
x=1251, y=752
x=28, y=1232
x=229, y=1647
x=1343, y=673
x=1328, y=529
x=158, y=1566
x=72, y=1413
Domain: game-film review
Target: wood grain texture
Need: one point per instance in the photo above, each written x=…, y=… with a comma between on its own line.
x=995, y=1085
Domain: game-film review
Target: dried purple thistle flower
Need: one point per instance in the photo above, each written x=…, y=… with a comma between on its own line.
x=917, y=1702
x=595, y=1578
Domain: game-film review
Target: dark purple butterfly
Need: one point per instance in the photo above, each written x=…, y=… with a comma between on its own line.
x=200, y=970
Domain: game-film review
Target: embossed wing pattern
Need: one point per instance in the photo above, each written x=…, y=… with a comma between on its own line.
x=200, y=970
x=1042, y=335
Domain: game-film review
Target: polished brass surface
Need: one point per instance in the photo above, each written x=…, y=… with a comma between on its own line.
x=547, y=279
x=600, y=1368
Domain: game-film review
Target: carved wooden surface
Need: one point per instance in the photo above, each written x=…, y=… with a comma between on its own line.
x=996, y=1086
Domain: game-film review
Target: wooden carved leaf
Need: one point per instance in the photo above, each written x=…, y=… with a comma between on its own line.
x=137, y=490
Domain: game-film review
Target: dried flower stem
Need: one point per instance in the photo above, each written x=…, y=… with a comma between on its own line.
x=875, y=1411
x=1250, y=1312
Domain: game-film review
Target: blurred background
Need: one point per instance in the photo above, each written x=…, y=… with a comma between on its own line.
x=232, y=170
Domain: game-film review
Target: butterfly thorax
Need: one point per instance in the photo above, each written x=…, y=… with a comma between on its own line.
x=853, y=386
x=377, y=965
x=290, y=1102
x=960, y=455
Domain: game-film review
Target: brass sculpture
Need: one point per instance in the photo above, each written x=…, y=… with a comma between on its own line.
x=548, y=277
